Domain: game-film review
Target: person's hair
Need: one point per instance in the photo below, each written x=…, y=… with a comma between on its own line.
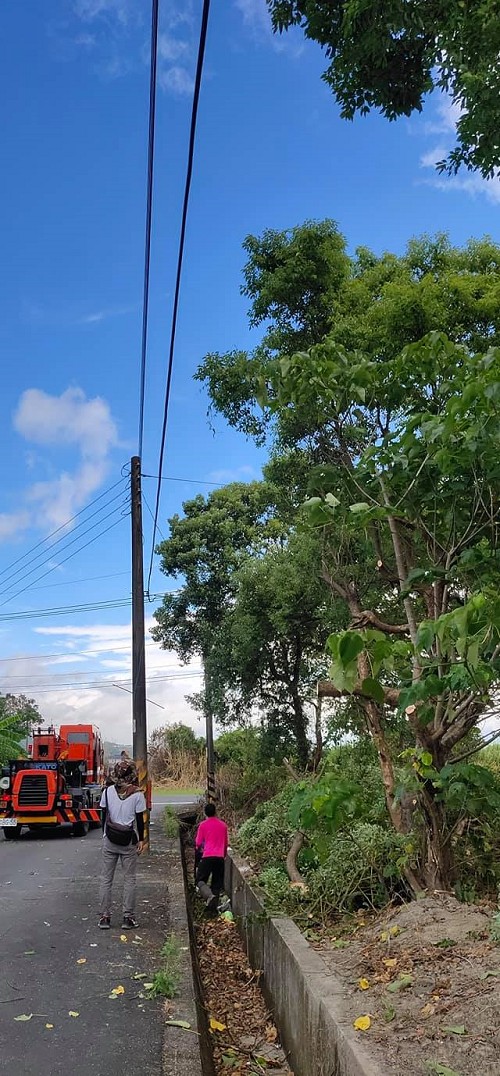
x=210, y=809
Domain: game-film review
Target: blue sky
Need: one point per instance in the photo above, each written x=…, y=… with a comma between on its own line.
x=271, y=152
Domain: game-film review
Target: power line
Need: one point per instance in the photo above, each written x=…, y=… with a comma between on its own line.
x=70, y=653
x=33, y=614
x=42, y=559
x=193, y=481
x=73, y=582
x=63, y=526
x=98, y=684
x=162, y=536
x=149, y=204
x=187, y=188
x=70, y=557
x=85, y=672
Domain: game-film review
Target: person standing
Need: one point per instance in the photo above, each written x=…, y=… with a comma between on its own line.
x=123, y=805
x=211, y=847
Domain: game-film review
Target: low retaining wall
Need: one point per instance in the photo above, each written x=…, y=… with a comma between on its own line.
x=306, y=1000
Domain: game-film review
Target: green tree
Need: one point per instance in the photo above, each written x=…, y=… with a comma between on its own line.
x=205, y=548
x=388, y=54
x=374, y=304
x=18, y=715
x=270, y=647
x=397, y=408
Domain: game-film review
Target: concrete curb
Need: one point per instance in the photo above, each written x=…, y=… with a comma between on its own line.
x=181, y=1047
x=306, y=999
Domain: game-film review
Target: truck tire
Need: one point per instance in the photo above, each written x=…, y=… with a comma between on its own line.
x=12, y=833
x=80, y=829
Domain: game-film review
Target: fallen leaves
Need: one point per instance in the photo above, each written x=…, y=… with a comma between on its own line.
x=363, y=984
x=362, y=1023
x=82, y=960
x=454, y=1029
x=23, y=1017
x=73, y=1013
x=402, y=983
x=215, y=1025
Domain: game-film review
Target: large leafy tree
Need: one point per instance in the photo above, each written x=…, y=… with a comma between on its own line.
x=270, y=647
x=204, y=550
x=375, y=304
x=400, y=420
x=388, y=54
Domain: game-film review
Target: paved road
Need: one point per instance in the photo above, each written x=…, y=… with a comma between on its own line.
x=48, y=915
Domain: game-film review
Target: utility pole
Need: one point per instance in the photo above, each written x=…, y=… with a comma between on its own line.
x=209, y=736
x=139, y=726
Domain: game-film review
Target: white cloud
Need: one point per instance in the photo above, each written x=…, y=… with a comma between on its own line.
x=13, y=524
x=171, y=48
x=444, y=123
x=104, y=705
x=122, y=10
x=236, y=474
x=257, y=21
x=178, y=80
x=70, y=421
x=255, y=14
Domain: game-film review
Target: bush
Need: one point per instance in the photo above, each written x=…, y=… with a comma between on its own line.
x=267, y=835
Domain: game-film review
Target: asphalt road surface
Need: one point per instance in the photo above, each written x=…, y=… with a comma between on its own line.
x=48, y=923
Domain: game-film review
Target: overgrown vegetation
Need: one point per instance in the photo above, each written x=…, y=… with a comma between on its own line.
x=176, y=756
x=166, y=980
x=18, y=715
x=367, y=559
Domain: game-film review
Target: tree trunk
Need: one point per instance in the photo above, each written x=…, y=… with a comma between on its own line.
x=438, y=870
x=299, y=728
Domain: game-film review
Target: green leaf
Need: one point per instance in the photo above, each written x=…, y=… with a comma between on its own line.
x=455, y=1029
x=402, y=983
x=360, y=506
x=351, y=645
x=373, y=688
x=439, y=1069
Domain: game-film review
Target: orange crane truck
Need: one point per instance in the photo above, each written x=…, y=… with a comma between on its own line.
x=60, y=782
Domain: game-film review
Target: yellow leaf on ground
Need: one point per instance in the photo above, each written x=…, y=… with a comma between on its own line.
x=24, y=1016
x=384, y=936
x=363, y=984
x=362, y=1023
x=390, y=962
x=73, y=1013
x=215, y=1025
x=123, y=937
x=82, y=960
x=394, y=931
x=49, y=1026
x=427, y=1010
x=118, y=990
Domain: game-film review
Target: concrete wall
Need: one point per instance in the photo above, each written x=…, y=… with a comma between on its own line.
x=305, y=998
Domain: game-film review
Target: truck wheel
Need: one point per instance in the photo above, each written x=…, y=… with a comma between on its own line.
x=80, y=829
x=12, y=833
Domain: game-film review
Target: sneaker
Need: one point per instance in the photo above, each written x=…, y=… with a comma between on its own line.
x=129, y=923
x=104, y=922
x=211, y=904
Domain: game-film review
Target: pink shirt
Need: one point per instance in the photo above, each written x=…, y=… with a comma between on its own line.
x=212, y=834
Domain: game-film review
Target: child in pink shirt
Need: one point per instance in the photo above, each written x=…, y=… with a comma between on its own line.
x=211, y=847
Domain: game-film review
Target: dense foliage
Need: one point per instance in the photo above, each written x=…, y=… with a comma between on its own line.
x=388, y=54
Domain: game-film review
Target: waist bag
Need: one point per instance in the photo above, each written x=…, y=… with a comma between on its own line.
x=117, y=834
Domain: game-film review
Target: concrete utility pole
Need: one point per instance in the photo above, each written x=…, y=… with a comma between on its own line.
x=139, y=725
x=209, y=736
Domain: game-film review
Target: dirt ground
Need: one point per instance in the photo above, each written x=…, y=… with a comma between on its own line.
x=245, y=1040
x=427, y=977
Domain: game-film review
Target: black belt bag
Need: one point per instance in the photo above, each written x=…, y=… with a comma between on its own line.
x=123, y=836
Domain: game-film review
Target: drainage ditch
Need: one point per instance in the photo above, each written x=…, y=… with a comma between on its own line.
x=237, y=1033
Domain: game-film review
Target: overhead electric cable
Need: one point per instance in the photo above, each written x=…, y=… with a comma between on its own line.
x=193, y=481
x=149, y=204
x=180, y=256
x=63, y=526
x=33, y=614
x=70, y=653
x=48, y=553
x=69, y=557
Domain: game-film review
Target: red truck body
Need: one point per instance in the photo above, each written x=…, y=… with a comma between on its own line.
x=60, y=783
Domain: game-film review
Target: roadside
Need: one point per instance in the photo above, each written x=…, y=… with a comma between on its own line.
x=80, y=991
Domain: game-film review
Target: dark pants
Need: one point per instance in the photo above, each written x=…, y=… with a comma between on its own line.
x=210, y=866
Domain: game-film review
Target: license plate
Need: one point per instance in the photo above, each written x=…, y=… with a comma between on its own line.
x=5, y=822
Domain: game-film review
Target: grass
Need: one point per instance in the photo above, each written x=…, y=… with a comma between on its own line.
x=166, y=980
x=170, y=822
x=180, y=790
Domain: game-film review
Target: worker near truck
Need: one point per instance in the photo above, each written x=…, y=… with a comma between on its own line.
x=123, y=805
